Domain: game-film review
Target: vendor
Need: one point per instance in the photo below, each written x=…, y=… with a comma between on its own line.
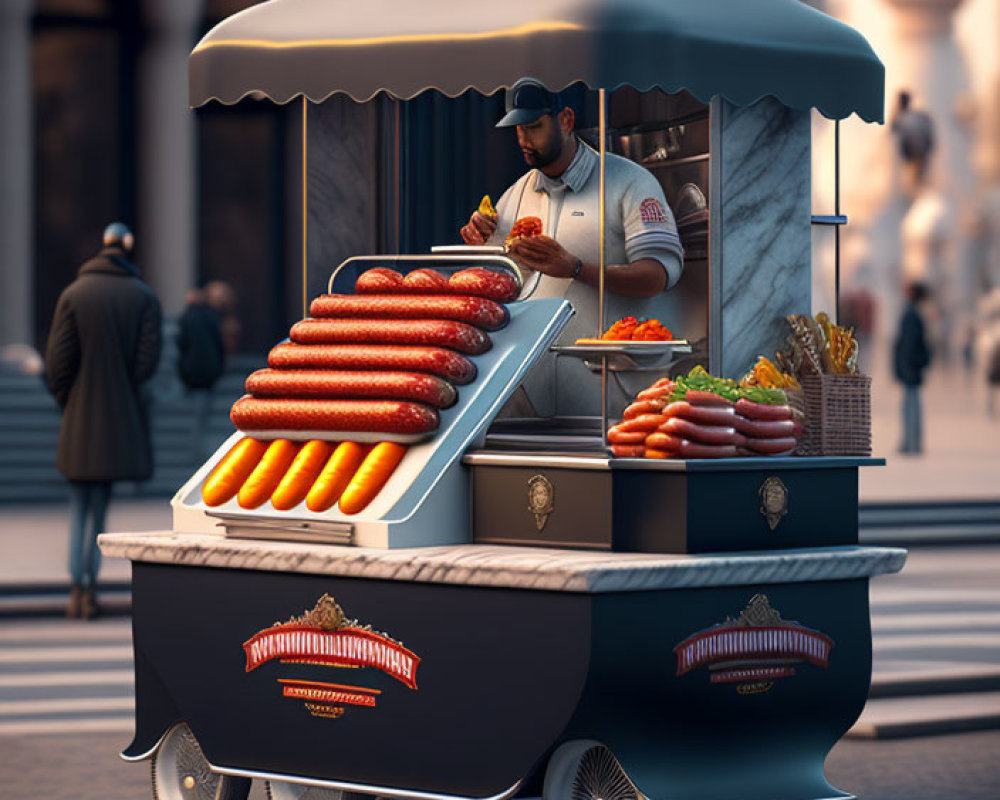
x=642, y=250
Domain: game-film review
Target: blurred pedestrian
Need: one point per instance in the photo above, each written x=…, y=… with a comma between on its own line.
x=202, y=359
x=989, y=347
x=911, y=357
x=220, y=296
x=915, y=131
x=103, y=345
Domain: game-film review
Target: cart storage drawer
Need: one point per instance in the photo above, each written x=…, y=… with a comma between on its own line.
x=541, y=506
x=660, y=511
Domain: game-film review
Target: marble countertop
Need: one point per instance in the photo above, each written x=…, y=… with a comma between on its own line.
x=509, y=567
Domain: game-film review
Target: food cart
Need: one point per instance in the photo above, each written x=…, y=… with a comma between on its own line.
x=516, y=613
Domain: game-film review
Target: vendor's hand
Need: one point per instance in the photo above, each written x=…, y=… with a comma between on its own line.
x=545, y=254
x=478, y=229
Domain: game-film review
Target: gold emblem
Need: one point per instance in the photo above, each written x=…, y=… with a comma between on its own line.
x=541, y=499
x=773, y=501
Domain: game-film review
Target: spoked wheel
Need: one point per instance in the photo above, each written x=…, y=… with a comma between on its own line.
x=279, y=790
x=181, y=772
x=587, y=770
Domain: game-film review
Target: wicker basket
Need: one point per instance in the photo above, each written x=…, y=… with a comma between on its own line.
x=838, y=415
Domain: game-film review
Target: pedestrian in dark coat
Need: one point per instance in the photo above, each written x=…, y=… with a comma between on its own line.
x=103, y=345
x=202, y=359
x=911, y=356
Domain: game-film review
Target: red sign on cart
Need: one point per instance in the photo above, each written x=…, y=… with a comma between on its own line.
x=326, y=637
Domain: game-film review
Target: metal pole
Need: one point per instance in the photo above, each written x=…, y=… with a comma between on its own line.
x=836, y=228
x=305, y=205
x=602, y=135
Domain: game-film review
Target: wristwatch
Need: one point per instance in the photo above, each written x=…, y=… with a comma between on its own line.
x=579, y=266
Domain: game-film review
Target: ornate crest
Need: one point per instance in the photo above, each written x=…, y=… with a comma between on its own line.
x=541, y=499
x=324, y=636
x=773, y=501
x=754, y=649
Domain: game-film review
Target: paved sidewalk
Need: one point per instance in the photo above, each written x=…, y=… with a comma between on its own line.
x=961, y=458
x=34, y=540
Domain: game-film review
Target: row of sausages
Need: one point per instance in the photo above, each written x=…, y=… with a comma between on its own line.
x=384, y=361
x=703, y=425
x=289, y=473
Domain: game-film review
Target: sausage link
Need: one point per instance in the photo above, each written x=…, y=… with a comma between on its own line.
x=652, y=452
x=447, y=364
x=691, y=449
x=301, y=475
x=760, y=411
x=770, y=447
x=425, y=281
x=706, y=398
x=656, y=392
x=765, y=429
x=231, y=472
x=378, y=281
x=704, y=434
x=617, y=436
x=702, y=415
x=476, y=311
x=267, y=474
x=375, y=416
x=663, y=441
x=627, y=450
x=482, y=282
x=644, y=407
x=644, y=422
x=340, y=384
x=434, y=332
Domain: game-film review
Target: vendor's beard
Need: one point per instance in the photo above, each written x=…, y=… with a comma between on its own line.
x=542, y=158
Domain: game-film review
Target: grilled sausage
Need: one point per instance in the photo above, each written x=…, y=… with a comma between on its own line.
x=375, y=416
x=334, y=384
x=724, y=416
x=231, y=472
x=436, y=360
x=765, y=429
x=378, y=281
x=770, y=447
x=760, y=411
x=476, y=311
x=425, y=281
x=644, y=407
x=267, y=474
x=706, y=398
x=481, y=282
x=617, y=436
x=434, y=332
x=663, y=441
x=705, y=434
x=643, y=422
x=627, y=450
x=301, y=475
x=691, y=449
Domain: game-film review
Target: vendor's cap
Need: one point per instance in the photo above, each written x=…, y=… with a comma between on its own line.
x=527, y=100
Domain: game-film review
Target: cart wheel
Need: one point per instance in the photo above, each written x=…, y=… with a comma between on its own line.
x=279, y=790
x=181, y=772
x=586, y=770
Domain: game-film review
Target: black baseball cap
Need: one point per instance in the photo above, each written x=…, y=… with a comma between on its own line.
x=527, y=100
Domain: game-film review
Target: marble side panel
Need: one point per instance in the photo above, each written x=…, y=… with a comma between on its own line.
x=343, y=182
x=766, y=228
x=510, y=567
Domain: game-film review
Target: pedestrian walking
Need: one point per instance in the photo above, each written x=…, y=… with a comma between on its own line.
x=103, y=345
x=989, y=347
x=202, y=360
x=911, y=357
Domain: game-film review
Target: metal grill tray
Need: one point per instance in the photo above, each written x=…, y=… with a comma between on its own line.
x=534, y=325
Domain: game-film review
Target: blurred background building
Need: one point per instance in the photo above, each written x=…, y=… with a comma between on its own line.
x=95, y=127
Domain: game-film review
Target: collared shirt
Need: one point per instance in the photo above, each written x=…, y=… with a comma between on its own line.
x=639, y=225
